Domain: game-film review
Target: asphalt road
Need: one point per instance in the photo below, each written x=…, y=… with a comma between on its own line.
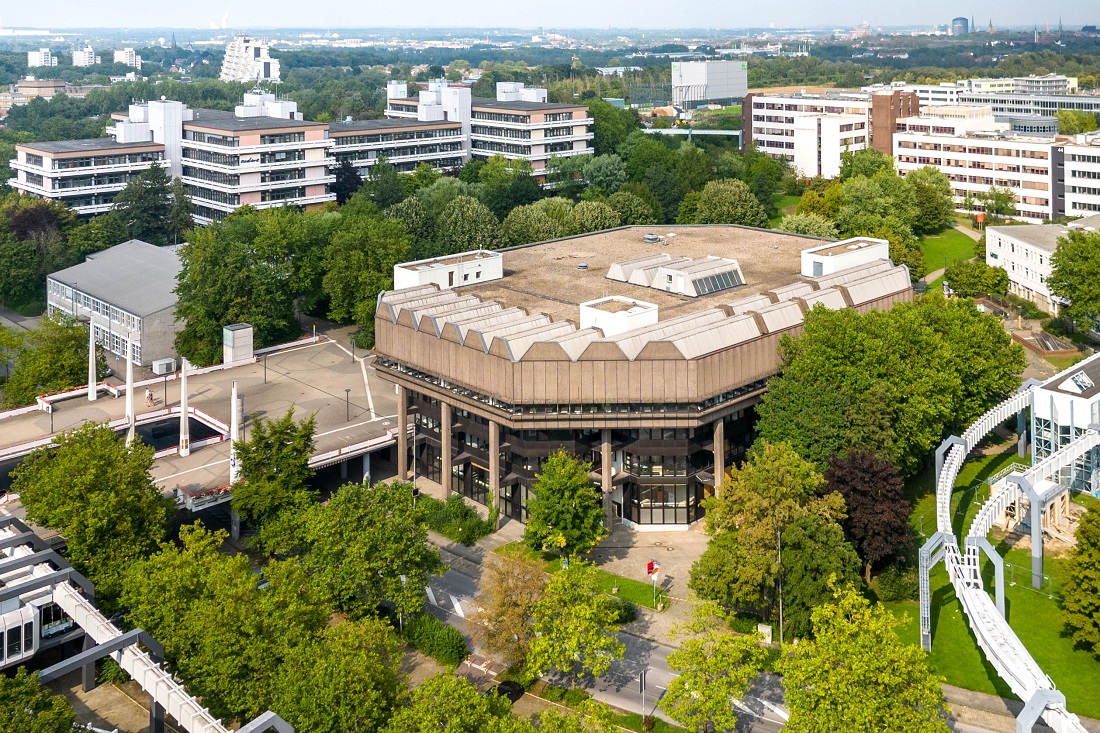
x=761, y=712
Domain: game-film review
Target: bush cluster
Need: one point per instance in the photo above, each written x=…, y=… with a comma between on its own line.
x=454, y=519
x=431, y=636
x=898, y=583
x=625, y=611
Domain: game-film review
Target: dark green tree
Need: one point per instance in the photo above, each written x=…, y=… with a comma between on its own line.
x=730, y=202
x=27, y=706
x=1081, y=593
x=275, y=468
x=144, y=206
x=566, y=515
x=180, y=220
x=347, y=182
x=466, y=224
x=51, y=358
x=101, y=497
x=1075, y=276
x=383, y=185
x=610, y=126
x=815, y=556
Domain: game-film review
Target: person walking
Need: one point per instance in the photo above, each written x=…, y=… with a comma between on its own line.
x=148, y=397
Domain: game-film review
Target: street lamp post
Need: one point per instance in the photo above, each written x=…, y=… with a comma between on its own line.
x=265, y=368
x=347, y=404
x=166, y=391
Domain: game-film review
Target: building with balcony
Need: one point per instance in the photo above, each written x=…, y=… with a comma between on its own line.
x=1079, y=181
x=41, y=57
x=976, y=153
x=83, y=174
x=404, y=143
x=128, y=57
x=519, y=124
x=127, y=294
x=646, y=358
x=85, y=57
x=249, y=59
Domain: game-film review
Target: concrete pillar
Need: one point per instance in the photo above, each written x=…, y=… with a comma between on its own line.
x=606, y=477
x=234, y=435
x=87, y=672
x=93, y=376
x=185, y=428
x=1036, y=543
x=445, y=429
x=402, y=435
x=234, y=524
x=130, y=418
x=366, y=468
x=494, y=464
x=344, y=468
x=1021, y=433
x=156, y=716
x=719, y=454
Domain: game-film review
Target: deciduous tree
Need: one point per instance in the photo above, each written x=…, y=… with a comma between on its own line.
x=510, y=589
x=632, y=210
x=877, y=524
x=1081, y=593
x=144, y=205
x=575, y=632
x=716, y=668
x=592, y=216
x=100, y=496
x=26, y=706
x=814, y=552
x=730, y=202
x=969, y=278
x=606, y=173
x=856, y=675
x=814, y=225
x=933, y=197
x=465, y=224
x=526, y=224
x=451, y=704
x=566, y=516
x=1075, y=276
x=275, y=468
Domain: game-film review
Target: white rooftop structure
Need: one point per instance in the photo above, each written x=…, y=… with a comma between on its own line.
x=249, y=59
x=449, y=271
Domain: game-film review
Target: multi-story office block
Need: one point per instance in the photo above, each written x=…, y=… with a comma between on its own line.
x=519, y=124
x=85, y=57
x=83, y=174
x=977, y=153
x=647, y=363
x=1080, y=180
x=404, y=143
x=41, y=57
x=127, y=294
x=248, y=59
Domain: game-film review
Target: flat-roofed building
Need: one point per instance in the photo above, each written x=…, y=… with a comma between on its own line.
x=404, y=143
x=83, y=174
x=810, y=131
x=593, y=344
x=976, y=153
x=41, y=57
x=128, y=295
x=519, y=124
x=1024, y=253
x=85, y=57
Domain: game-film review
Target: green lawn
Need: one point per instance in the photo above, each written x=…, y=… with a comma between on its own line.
x=950, y=244
x=1033, y=615
x=786, y=205
x=635, y=591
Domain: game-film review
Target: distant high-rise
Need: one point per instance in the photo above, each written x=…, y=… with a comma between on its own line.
x=85, y=57
x=960, y=27
x=41, y=57
x=248, y=59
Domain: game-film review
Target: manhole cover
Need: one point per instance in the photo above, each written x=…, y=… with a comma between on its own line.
x=671, y=548
x=657, y=543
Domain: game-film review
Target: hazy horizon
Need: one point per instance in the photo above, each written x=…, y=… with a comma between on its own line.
x=431, y=14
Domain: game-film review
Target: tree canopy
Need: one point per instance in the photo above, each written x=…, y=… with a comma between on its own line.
x=856, y=674
x=1081, y=593
x=1075, y=275
x=51, y=358
x=26, y=706
x=99, y=494
x=275, y=468
x=566, y=514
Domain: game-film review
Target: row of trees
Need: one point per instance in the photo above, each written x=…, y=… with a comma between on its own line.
x=870, y=199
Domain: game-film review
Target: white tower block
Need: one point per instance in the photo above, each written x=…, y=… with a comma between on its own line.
x=129, y=393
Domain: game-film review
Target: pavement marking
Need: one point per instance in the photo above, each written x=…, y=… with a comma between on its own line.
x=366, y=384
x=344, y=427
x=196, y=468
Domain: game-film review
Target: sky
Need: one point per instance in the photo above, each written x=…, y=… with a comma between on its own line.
x=256, y=14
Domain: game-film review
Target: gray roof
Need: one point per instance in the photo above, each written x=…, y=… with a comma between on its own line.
x=90, y=145
x=246, y=124
x=1043, y=236
x=1086, y=222
x=522, y=106
x=134, y=276
x=386, y=124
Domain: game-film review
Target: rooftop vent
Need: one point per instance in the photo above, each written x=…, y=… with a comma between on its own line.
x=582, y=265
x=651, y=238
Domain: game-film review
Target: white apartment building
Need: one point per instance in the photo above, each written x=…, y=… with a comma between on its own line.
x=1081, y=175
x=404, y=143
x=960, y=92
x=249, y=59
x=820, y=142
x=519, y=124
x=976, y=153
x=41, y=57
x=128, y=57
x=85, y=57
x=83, y=174
x=801, y=128
x=1024, y=253
x=262, y=154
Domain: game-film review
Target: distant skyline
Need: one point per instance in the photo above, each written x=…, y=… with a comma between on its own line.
x=656, y=14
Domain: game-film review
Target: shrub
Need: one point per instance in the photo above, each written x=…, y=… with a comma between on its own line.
x=575, y=697
x=518, y=673
x=625, y=611
x=454, y=519
x=431, y=636
x=898, y=583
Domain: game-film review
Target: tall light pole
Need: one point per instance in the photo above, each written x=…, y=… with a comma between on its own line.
x=130, y=417
x=347, y=404
x=185, y=427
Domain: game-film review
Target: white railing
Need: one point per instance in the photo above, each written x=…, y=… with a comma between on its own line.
x=998, y=642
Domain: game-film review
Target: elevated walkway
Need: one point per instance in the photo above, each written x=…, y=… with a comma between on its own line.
x=998, y=642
